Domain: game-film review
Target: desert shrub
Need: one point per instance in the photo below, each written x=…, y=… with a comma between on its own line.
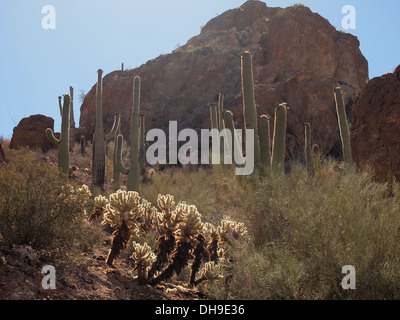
x=314, y=226
x=38, y=206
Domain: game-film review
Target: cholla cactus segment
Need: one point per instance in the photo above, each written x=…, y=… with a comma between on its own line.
x=149, y=214
x=168, y=220
x=123, y=207
x=191, y=224
x=165, y=203
x=143, y=256
x=125, y=201
x=101, y=201
x=232, y=232
x=211, y=271
x=84, y=190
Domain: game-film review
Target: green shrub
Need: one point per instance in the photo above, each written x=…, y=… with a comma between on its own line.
x=38, y=207
x=315, y=225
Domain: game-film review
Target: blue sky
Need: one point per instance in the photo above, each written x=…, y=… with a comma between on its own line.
x=38, y=65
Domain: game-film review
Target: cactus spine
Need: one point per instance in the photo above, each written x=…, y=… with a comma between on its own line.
x=63, y=142
x=249, y=105
x=279, y=140
x=265, y=143
x=307, y=148
x=344, y=127
x=99, y=158
x=133, y=171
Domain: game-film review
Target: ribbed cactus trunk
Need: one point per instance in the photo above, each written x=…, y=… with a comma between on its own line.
x=99, y=161
x=344, y=127
x=279, y=140
x=265, y=143
x=99, y=151
x=229, y=124
x=71, y=118
x=116, y=171
x=134, y=166
x=63, y=142
x=83, y=145
x=249, y=105
x=307, y=148
x=142, y=147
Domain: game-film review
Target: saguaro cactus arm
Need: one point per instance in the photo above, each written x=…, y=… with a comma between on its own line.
x=265, y=142
x=307, y=147
x=114, y=128
x=121, y=167
x=279, y=141
x=344, y=127
x=51, y=137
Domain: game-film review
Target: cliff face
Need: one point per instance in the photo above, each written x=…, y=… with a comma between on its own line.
x=298, y=58
x=376, y=126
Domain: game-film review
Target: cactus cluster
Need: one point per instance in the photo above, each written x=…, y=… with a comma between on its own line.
x=265, y=159
x=181, y=236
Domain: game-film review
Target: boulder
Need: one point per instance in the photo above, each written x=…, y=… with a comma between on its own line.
x=30, y=132
x=375, y=132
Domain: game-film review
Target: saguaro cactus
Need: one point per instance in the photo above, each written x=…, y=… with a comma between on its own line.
x=63, y=142
x=133, y=171
x=249, y=105
x=279, y=140
x=344, y=127
x=265, y=143
x=142, y=146
x=99, y=158
x=71, y=116
x=307, y=148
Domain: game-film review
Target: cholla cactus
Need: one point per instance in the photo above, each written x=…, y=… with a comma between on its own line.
x=122, y=212
x=166, y=223
x=213, y=239
x=210, y=271
x=144, y=258
x=231, y=234
x=186, y=234
x=191, y=224
x=231, y=231
x=75, y=197
x=123, y=208
x=149, y=215
x=100, y=203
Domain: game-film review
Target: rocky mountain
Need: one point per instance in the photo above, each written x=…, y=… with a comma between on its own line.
x=298, y=58
x=375, y=134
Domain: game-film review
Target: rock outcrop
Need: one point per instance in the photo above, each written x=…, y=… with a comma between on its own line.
x=298, y=58
x=30, y=132
x=376, y=126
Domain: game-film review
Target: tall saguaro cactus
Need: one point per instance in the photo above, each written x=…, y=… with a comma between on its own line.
x=344, y=127
x=133, y=171
x=71, y=116
x=63, y=142
x=307, y=148
x=265, y=143
x=279, y=140
x=99, y=154
x=249, y=105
